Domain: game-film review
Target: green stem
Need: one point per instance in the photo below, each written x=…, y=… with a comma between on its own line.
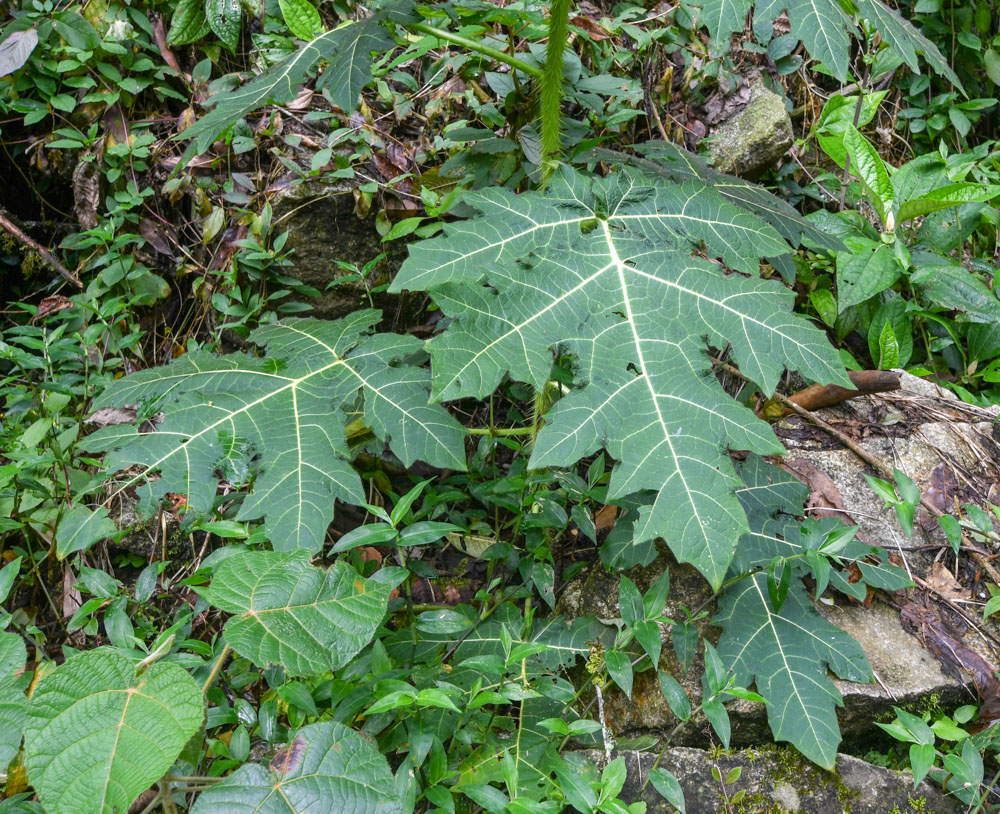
x=552, y=81
x=494, y=431
x=479, y=48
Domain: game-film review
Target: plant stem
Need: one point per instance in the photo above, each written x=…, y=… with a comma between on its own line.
x=215, y=669
x=552, y=81
x=479, y=48
x=493, y=431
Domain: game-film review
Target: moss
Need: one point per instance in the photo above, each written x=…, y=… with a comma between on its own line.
x=792, y=768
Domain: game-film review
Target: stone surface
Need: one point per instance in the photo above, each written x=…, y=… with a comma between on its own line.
x=922, y=430
x=754, y=139
x=910, y=676
x=778, y=780
x=322, y=228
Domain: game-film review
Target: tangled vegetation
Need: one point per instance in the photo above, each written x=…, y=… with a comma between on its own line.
x=258, y=560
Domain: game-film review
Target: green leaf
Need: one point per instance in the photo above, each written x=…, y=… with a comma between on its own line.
x=821, y=25
x=921, y=759
x=13, y=704
x=347, y=50
x=372, y=534
x=888, y=348
x=189, y=23
x=8, y=574
x=946, y=197
x=906, y=39
x=603, y=268
x=991, y=61
x=787, y=655
x=13, y=717
x=13, y=655
x=868, y=165
x=224, y=18
x=289, y=613
x=891, y=312
x=630, y=602
x=326, y=767
x=668, y=787
x=676, y=695
x=620, y=669
x=79, y=528
x=15, y=50
x=665, y=160
x=280, y=422
x=863, y=274
x=301, y=18
x=955, y=288
x=99, y=732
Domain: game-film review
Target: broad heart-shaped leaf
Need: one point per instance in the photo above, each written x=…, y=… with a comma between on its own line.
x=281, y=420
x=825, y=29
x=99, y=734
x=348, y=52
x=602, y=268
x=290, y=613
x=326, y=767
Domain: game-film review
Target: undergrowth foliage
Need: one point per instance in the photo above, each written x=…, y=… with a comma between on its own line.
x=603, y=288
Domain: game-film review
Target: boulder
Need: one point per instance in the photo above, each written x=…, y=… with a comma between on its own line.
x=908, y=675
x=774, y=780
x=323, y=228
x=753, y=140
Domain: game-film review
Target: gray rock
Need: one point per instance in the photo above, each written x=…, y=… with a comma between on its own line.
x=754, y=139
x=322, y=228
x=776, y=780
x=910, y=676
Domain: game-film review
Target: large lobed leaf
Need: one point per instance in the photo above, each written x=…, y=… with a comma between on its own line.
x=326, y=767
x=348, y=52
x=99, y=733
x=603, y=268
x=787, y=653
x=289, y=613
x=279, y=421
x=825, y=29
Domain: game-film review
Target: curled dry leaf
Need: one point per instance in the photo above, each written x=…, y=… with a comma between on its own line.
x=941, y=580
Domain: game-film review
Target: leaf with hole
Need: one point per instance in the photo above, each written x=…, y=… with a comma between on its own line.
x=603, y=268
x=326, y=767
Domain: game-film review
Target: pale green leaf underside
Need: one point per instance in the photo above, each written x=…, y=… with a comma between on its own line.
x=281, y=420
x=603, y=268
x=327, y=767
x=98, y=735
x=287, y=612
